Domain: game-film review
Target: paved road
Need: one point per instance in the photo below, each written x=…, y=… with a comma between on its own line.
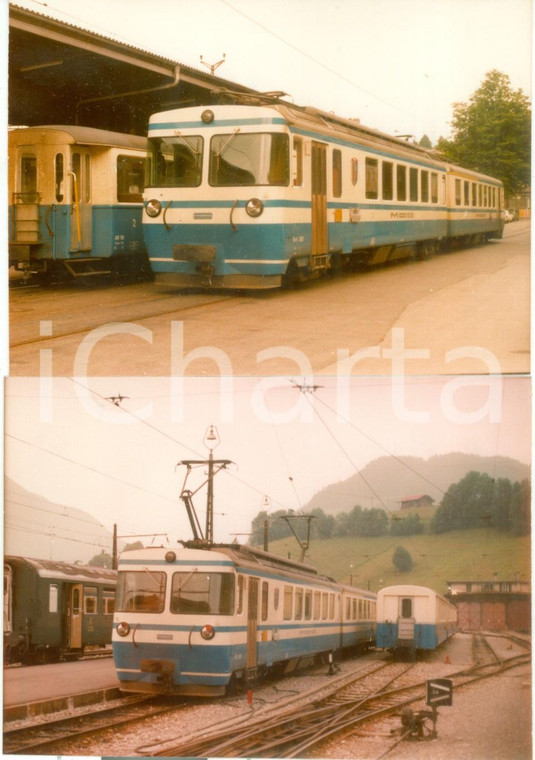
x=463, y=312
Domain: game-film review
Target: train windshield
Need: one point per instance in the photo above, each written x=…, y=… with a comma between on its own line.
x=174, y=161
x=140, y=591
x=249, y=159
x=197, y=592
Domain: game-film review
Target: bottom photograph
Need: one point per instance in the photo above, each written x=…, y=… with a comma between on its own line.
x=324, y=567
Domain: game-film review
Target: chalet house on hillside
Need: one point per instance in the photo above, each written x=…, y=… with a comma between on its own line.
x=415, y=502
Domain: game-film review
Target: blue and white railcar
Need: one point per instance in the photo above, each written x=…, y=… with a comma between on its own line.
x=412, y=618
x=246, y=196
x=75, y=201
x=193, y=621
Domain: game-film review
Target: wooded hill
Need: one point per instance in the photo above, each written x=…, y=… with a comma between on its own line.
x=397, y=478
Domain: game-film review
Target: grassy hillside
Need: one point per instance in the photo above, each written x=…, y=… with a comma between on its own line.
x=459, y=555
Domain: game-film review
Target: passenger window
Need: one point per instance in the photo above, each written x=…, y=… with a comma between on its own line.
x=299, y=604
x=90, y=600
x=457, y=192
x=59, y=177
x=276, y=595
x=413, y=184
x=372, y=178
x=324, y=606
x=298, y=161
x=434, y=187
x=108, y=600
x=354, y=171
x=28, y=178
x=388, y=181
x=317, y=605
x=425, y=187
x=466, y=194
x=480, y=193
x=308, y=605
x=265, y=600
x=401, y=176
x=288, y=603
x=474, y=194
x=130, y=179
x=337, y=173
x=53, y=598
x=239, y=608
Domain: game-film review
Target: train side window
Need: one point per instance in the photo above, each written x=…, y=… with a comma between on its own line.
x=474, y=194
x=86, y=187
x=354, y=171
x=308, y=605
x=337, y=173
x=59, y=177
x=406, y=608
x=324, y=606
x=299, y=604
x=90, y=600
x=241, y=584
x=413, y=184
x=401, y=182
x=317, y=605
x=28, y=177
x=331, y=606
x=348, y=608
x=265, y=600
x=354, y=610
x=298, y=161
x=434, y=187
x=130, y=179
x=276, y=598
x=108, y=602
x=287, y=612
x=457, y=192
x=466, y=194
x=372, y=178
x=53, y=594
x=388, y=180
x=480, y=195
x=425, y=187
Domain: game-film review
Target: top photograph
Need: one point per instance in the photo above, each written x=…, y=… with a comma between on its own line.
x=313, y=188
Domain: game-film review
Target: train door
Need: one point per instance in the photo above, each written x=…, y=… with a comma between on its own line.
x=74, y=617
x=81, y=230
x=25, y=199
x=318, y=259
x=406, y=619
x=252, y=625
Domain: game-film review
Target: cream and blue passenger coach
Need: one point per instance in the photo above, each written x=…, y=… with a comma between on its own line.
x=248, y=195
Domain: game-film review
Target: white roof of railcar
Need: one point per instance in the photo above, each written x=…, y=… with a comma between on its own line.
x=64, y=570
x=88, y=135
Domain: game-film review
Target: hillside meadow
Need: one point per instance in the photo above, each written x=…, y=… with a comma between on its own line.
x=479, y=554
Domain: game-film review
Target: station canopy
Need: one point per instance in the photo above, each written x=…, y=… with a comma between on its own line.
x=63, y=74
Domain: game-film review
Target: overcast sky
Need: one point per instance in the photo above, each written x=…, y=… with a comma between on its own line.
x=397, y=65
x=77, y=448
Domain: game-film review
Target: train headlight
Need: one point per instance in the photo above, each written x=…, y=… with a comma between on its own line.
x=170, y=557
x=207, y=116
x=153, y=208
x=123, y=629
x=254, y=207
x=208, y=632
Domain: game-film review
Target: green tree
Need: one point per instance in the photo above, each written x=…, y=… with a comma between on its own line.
x=520, y=509
x=492, y=133
x=101, y=560
x=402, y=560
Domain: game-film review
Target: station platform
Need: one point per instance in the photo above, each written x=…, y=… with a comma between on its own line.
x=27, y=690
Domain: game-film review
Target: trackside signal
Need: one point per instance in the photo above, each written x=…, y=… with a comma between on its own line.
x=439, y=691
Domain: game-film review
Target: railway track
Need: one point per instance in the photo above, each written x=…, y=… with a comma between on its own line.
x=42, y=738
x=294, y=729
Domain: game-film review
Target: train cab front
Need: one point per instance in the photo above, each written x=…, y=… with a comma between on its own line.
x=215, y=197
x=170, y=635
